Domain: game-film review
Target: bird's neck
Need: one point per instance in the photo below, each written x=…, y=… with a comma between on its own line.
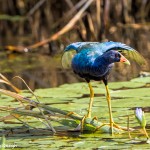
x=102, y=61
x=102, y=66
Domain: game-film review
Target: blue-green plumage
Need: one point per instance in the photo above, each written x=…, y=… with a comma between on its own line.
x=101, y=47
x=91, y=65
x=94, y=60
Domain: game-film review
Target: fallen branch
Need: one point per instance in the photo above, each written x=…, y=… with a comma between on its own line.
x=65, y=29
x=55, y=36
x=53, y=114
x=37, y=6
x=89, y=123
x=69, y=13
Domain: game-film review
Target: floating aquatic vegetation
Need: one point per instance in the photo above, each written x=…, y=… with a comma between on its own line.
x=27, y=121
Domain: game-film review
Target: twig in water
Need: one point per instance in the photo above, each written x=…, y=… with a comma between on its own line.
x=24, y=123
x=128, y=127
x=6, y=81
x=48, y=122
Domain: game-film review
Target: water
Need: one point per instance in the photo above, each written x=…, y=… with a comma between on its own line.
x=39, y=71
x=44, y=71
x=69, y=97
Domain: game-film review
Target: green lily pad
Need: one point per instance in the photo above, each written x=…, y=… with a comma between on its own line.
x=57, y=92
x=141, y=80
x=135, y=93
x=119, y=85
x=75, y=98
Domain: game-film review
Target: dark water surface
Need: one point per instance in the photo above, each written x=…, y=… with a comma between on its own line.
x=43, y=71
x=39, y=71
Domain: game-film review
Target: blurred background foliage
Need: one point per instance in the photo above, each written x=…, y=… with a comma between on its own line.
x=25, y=23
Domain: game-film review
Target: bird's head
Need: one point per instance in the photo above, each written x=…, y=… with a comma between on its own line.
x=114, y=56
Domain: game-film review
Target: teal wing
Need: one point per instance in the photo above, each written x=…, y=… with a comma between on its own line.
x=124, y=49
x=133, y=55
x=99, y=49
x=127, y=51
x=77, y=47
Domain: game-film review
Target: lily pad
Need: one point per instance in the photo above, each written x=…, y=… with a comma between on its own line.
x=119, y=85
x=141, y=80
x=135, y=93
x=75, y=98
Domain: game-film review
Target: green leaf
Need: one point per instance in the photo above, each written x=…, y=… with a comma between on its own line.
x=141, y=80
x=3, y=142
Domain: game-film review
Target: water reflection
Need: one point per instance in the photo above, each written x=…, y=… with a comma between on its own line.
x=44, y=71
x=39, y=71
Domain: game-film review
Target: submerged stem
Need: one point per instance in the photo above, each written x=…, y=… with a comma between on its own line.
x=145, y=132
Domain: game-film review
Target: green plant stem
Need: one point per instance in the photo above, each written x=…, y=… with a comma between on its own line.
x=145, y=132
x=88, y=121
x=90, y=124
x=3, y=142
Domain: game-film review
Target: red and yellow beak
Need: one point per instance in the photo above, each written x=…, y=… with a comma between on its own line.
x=124, y=60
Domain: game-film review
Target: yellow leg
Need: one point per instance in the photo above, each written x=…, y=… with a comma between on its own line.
x=109, y=107
x=91, y=100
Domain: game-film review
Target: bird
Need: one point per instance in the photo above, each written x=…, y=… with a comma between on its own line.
x=94, y=61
